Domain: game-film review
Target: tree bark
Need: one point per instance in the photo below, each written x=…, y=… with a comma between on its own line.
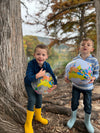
x=12, y=66
x=12, y=59
x=97, y=6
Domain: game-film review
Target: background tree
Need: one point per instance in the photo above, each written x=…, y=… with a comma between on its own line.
x=73, y=20
x=68, y=17
x=30, y=43
x=68, y=22
x=12, y=67
x=97, y=6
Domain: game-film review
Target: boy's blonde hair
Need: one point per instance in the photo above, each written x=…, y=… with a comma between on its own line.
x=42, y=46
x=87, y=39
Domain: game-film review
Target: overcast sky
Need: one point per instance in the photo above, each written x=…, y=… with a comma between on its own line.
x=33, y=8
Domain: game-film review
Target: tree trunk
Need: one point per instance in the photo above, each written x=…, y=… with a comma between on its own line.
x=97, y=6
x=12, y=66
x=11, y=47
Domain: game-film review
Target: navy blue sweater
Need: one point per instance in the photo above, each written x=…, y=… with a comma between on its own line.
x=33, y=68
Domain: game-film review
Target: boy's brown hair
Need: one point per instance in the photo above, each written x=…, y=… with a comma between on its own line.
x=42, y=46
x=87, y=39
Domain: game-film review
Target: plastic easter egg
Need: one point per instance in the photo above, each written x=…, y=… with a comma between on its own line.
x=79, y=71
x=43, y=84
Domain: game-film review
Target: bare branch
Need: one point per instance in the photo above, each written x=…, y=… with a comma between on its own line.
x=26, y=9
x=72, y=7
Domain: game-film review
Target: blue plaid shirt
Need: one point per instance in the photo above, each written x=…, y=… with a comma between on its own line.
x=95, y=67
x=33, y=68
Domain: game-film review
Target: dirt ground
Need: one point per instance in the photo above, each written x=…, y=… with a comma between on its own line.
x=61, y=97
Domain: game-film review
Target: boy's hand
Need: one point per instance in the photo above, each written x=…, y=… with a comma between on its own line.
x=66, y=79
x=92, y=80
x=41, y=73
x=51, y=89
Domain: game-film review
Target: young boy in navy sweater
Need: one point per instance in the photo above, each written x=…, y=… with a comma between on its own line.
x=36, y=68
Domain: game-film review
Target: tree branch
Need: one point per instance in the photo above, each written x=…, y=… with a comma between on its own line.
x=72, y=7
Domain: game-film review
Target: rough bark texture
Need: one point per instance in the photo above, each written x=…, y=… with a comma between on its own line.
x=11, y=47
x=12, y=67
x=97, y=6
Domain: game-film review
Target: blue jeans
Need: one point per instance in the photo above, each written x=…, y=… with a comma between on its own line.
x=87, y=94
x=33, y=98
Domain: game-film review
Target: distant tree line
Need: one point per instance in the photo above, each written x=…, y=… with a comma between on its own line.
x=30, y=42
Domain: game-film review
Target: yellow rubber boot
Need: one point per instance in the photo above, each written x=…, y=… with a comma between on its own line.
x=38, y=116
x=28, y=124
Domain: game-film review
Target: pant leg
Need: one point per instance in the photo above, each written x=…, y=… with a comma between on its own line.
x=87, y=101
x=75, y=98
x=31, y=97
x=38, y=101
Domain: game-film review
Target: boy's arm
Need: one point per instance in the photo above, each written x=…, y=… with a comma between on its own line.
x=30, y=75
x=51, y=89
x=95, y=72
x=30, y=72
x=51, y=72
x=41, y=73
x=92, y=80
x=54, y=78
x=66, y=79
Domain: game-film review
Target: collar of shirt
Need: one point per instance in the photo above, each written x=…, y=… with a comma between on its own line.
x=79, y=56
x=43, y=66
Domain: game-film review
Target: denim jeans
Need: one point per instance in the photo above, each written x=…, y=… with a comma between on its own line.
x=33, y=98
x=87, y=94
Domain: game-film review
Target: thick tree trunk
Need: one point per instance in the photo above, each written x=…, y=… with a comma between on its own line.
x=12, y=66
x=97, y=6
x=11, y=47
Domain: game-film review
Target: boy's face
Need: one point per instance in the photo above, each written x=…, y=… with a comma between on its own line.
x=86, y=47
x=40, y=56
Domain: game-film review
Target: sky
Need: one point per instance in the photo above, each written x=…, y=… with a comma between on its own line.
x=33, y=8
